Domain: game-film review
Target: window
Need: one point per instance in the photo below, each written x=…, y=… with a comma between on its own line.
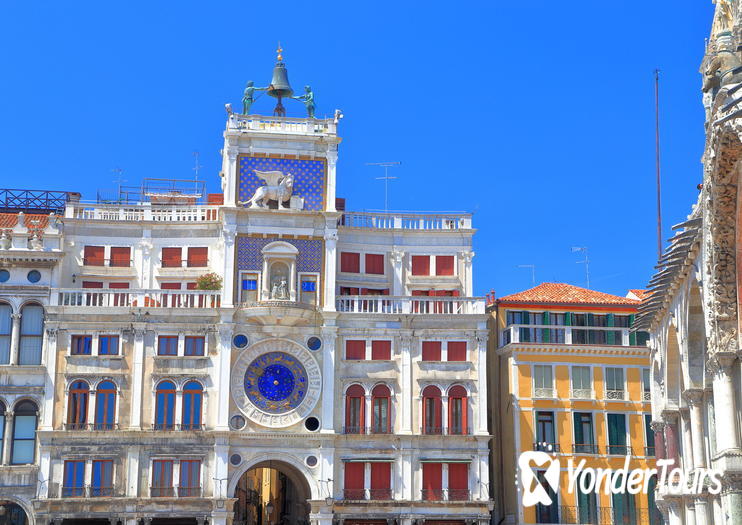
x=556, y=319
x=77, y=407
x=4, y=275
x=624, y=509
x=121, y=256
x=162, y=478
x=545, y=436
x=355, y=398
x=543, y=381
x=432, y=481
x=194, y=345
x=431, y=350
x=622, y=321
x=165, y=406
x=648, y=435
x=587, y=507
x=24, y=433
x=2, y=431
x=381, y=480
x=355, y=349
x=190, y=478
x=444, y=265
x=192, y=404
x=432, y=408
x=167, y=345
x=381, y=350
x=458, y=481
x=309, y=289
x=375, y=263
x=350, y=262
x=420, y=265
x=6, y=327
x=456, y=350
x=581, y=384
x=584, y=437
x=32, y=327
x=94, y=256
x=381, y=413
x=457, y=410
x=547, y=513
x=617, y=435
x=108, y=345
x=614, y=385
x=102, y=482
x=353, y=482
x=198, y=257
x=81, y=344
x=33, y=276
x=74, y=479
x=646, y=385
x=171, y=258
x=105, y=406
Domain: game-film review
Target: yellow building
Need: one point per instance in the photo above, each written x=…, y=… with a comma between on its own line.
x=570, y=377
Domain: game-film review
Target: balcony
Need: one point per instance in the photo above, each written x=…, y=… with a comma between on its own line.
x=109, y=263
x=543, y=393
x=446, y=495
x=127, y=298
x=172, y=427
x=542, y=446
x=281, y=125
x=96, y=427
x=606, y=516
x=385, y=304
x=615, y=395
x=143, y=212
x=619, y=450
x=581, y=393
x=565, y=335
x=87, y=491
x=367, y=494
x=584, y=448
x=406, y=221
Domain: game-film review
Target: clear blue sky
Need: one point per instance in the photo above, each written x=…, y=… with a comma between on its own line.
x=537, y=116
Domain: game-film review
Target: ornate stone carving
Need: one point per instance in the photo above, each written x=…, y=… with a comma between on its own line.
x=658, y=426
x=396, y=256
x=693, y=397
x=731, y=484
x=278, y=188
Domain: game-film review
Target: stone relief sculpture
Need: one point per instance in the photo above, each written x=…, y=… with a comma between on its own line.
x=725, y=67
x=278, y=188
x=280, y=290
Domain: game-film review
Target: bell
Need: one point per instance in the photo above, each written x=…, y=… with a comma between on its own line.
x=279, y=86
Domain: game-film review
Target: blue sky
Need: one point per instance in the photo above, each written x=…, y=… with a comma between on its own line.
x=538, y=116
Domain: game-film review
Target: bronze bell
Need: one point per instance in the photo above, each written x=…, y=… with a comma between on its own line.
x=280, y=86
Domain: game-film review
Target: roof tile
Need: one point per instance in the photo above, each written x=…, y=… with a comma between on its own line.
x=561, y=293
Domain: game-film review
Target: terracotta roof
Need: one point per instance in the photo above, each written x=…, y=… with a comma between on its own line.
x=561, y=293
x=639, y=294
x=9, y=220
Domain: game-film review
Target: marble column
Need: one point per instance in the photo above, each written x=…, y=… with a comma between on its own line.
x=15, y=337
x=659, y=439
x=9, y=420
x=329, y=334
x=47, y=420
x=224, y=342
x=331, y=239
x=671, y=437
x=695, y=400
x=137, y=381
x=727, y=434
x=405, y=344
x=702, y=511
x=685, y=433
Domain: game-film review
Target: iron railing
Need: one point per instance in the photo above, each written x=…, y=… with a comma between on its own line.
x=541, y=446
x=585, y=448
x=33, y=201
x=608, y=516
x=87, y=491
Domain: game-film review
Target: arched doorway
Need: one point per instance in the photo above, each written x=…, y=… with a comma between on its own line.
x=12, y=514
x=271, y=493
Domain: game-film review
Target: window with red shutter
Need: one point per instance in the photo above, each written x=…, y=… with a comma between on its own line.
x=457, y=411
x=92, y=284
x=171, y=258
x=432, y=411
x=444, y=265
x=457, y=351
x=432, y=481
x=381, y=350
x=381, y=481
x=431, y=350
x=355, y=399
x=94, y=256
x=191, y=286
x=118, y=285
x=420, y=265
x=354, y=480
x=121, y=256
x=198, y=257
x=170, y=286
x=345, y=290
x=458, y=481
x=375, y=263
x=350, y=262
x=355, y=349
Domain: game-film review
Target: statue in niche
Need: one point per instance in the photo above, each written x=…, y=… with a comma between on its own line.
x=278, y=188
x=248, y=97
x=308, y=99
x=280, y=290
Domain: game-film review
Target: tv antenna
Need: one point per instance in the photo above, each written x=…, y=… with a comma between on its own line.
x=533, y=272
x=386, y=178
x=198, y=165
x=585, y=261
x=119, y=179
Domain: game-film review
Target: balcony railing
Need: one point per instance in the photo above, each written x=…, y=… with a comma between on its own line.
x=110, y=263
x=143, y=212
x=584, y=448
x=543, y=392
x=609, y=516
x=87, y=491
x=367, y=494
x=162, y=492
x=615, y=394
x=385, y=304
x=126, y=298
x=581, y=393
x=432, y=494
x=189, y=492
x=446, y=495
x=96, y=427
x=568, y=335
x=172, y=427
x=619, y=450
x=406, y=221
x=542, y=446
x=283, y=125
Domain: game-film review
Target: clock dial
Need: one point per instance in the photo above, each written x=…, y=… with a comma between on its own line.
x=276, y=382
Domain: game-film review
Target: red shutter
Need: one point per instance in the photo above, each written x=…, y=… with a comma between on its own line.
x=381, y=476
x=354, y=474
x=444, y=265
x=355, y=349
x=457, y=350
x=344, y=290
x=94, y=256
x=198, y=257
x=416, y=293
x=432, y=480
x=92, y=284
x=171, y=258
x=381, y=350
x=191, y=286
x=118, y=285
x=458, y=476
x=431, y=350
x=375, y=263
x=350, y=262
x=455, y=293
x=121, y=256
x=170, y=286
x=421, y=265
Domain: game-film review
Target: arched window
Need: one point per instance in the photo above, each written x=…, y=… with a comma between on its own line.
x=2, y=431
x=457, y=410
x=6, y=326
x=165, y=406
x=105, y=406
x=32, y=328
x=381, y=410
x=355, y=398
x=24, y=433
x=193, y=394
x=77, y=405
x=432, y=423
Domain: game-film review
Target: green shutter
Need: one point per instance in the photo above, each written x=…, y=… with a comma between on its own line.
x=547, y=332
x=611, y=320
x=567, y=318
x=610, y=337
x=632, y=338
x=579, y=438
x=631, y=320
x=590, y=320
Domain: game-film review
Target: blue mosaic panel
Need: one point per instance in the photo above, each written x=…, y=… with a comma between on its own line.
x=250, y=256
x=309, y=178
x=276, y=382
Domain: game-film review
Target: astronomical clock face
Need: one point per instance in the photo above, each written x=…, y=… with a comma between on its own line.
x=276, y=382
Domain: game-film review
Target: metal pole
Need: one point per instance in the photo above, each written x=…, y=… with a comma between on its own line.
x=657, y=159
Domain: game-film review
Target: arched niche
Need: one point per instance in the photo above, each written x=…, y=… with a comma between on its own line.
x=279, y=272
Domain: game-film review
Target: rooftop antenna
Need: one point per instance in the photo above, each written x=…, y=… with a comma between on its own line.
x=657, y=159
x=533, y=272
x=585, y=261
x=198, y=165
x=386, y=178
x=119, y=179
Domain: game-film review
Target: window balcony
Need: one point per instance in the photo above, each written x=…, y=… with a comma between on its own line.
x=368, y=494
x=581, y=393
x=615, y=395
x=110, y=263
x=543, y=393
x=385, y=304
x=189, y=492
x=432, y=494
x=180, y=427
x=143, y=212
x=95, y=427
x=542, y=446
x=619, y=450
x=406, y=221
x=458, y=495
x=127, y=298
x=585, y=448
x=380, y=494
x=162, y=492
x=565, y=335
x=87, y=491
x=354, y=494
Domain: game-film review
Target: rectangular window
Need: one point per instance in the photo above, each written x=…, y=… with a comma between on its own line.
x=92, y=284
x=581, y=384
x=249, y=284
x=94, y=256
x=617, y=435
x=102, y=483
x=421, y=265
x=444, y=265
x=24, y=440
x=381, y=350
x=81, y=344
x=74, y=479
x=543, y=381
x=586, y=504
x=514, y=318
x=431, y=350
x=353, y=484
x=584, y=436
x=432, y=481
x=171, y=258
x=375, y=263
x=621, y=321
x=190, y=478
x=108, y=345
x=121, y=256
x=350, y=262
x=579, y=319
x=458, y=481
x=547, y=513
x=198, y=257
x=456, y=350
x=355, y=349
x=614, y=385
x=308, y=289
x=194, y=345
x=648, y=435
x=545, y=436
x=624, y=508
x=556, y=319
x=167, y=345
x=646, y=383
x=381, y=481
x=308, y=286
x=162, y=478
x=248, y=287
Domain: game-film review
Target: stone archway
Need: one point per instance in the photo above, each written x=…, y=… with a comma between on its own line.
x=12, y=514
x=271, y=493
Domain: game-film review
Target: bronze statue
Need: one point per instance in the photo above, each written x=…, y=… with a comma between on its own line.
x=308, y=99
x=247, y=99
